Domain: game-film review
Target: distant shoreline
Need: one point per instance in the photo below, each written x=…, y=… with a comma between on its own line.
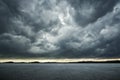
x=36, y=62
x=58, y=61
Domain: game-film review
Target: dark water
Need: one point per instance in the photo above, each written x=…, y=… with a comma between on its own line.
x=60, y=71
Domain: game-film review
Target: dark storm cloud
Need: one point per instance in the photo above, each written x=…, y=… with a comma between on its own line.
x=4, y=16
x=59, y=28
x=7, y=10
x=89, y=11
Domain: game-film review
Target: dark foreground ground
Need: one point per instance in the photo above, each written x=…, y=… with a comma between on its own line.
x=82, y=71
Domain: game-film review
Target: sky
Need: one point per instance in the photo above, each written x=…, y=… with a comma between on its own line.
x=59, y=28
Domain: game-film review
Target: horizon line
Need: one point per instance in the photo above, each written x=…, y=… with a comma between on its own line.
x=59, y=60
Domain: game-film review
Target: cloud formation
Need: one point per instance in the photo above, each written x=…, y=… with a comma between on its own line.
x=60, y=28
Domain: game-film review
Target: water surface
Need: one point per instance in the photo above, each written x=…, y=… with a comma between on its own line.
x=85, y=71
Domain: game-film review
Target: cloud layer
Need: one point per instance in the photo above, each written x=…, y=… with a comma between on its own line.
x=60, y=28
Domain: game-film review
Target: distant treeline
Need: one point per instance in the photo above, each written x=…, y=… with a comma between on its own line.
x=36, y=62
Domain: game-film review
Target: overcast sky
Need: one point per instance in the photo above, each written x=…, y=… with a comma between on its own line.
x=60, y=28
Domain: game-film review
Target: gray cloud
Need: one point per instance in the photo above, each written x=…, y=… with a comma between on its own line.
x=60, y=28
x=89, y=11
